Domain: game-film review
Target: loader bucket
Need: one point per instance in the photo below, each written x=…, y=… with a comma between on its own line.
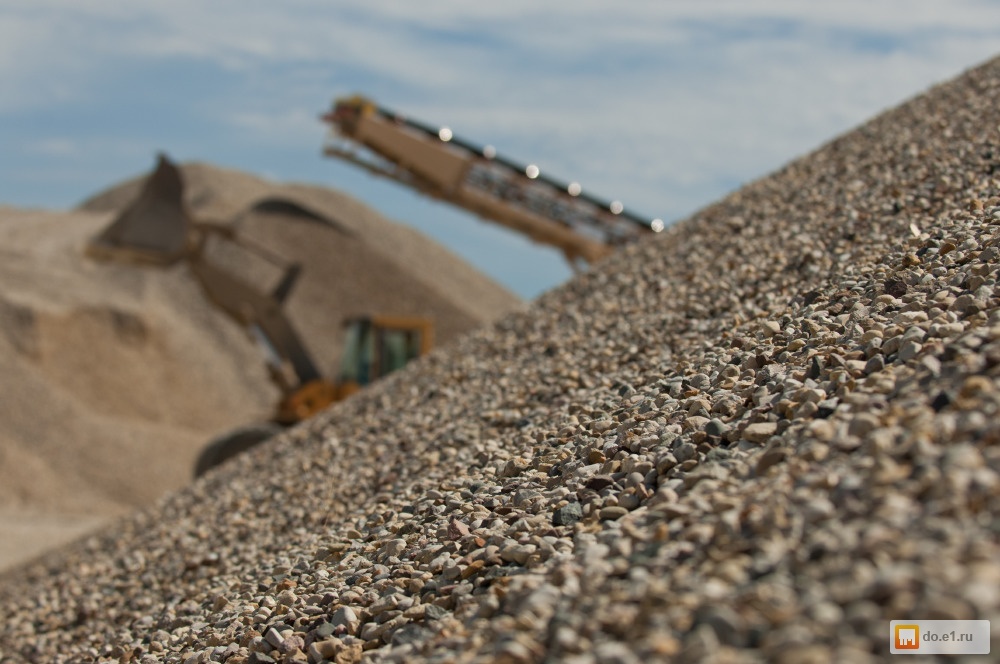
x=154, y=227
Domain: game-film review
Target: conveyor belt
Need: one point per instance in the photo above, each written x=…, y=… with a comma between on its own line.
x=433, y=160
x=487, y=152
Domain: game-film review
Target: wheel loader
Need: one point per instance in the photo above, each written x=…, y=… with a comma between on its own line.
x=157, y=229
x=432, y=160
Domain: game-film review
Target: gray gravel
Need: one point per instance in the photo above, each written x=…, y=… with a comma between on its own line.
x=757, y=438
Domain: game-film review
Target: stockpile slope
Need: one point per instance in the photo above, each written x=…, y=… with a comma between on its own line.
x=113, y=377
x=757, y=437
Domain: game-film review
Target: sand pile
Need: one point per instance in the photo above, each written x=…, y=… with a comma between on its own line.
x=759, y=436
x=114, y=376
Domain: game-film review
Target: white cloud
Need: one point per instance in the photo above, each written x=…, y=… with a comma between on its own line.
x=277, y=125
x=54, y=147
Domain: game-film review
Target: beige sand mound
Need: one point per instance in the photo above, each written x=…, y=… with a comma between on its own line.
x=114, y=376
x=111, y=377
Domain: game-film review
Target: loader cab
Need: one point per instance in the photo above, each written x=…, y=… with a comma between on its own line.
x=375, y=346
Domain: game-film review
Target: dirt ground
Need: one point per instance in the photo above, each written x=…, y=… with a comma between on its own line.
x=25, y=534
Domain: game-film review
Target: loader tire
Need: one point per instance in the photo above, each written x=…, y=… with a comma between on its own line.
x=230, y=444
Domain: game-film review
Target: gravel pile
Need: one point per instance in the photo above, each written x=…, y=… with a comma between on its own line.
x=757, y=437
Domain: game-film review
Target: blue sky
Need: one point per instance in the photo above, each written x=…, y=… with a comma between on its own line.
x=663, y=105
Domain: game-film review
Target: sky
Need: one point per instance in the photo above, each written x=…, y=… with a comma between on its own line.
x=666, y=106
